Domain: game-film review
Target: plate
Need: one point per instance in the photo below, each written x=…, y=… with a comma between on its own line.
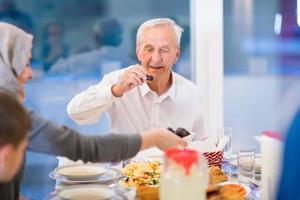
x=80, y=172
x=90, y=192
x=233, y=161
x=111, y=174
x=150, y=154
x=247, y=188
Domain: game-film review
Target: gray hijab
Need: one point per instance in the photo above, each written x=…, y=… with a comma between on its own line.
x=15, y=46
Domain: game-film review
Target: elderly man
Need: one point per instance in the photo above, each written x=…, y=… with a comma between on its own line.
x=147, y=95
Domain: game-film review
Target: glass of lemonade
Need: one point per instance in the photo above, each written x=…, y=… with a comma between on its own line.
x=185, y=175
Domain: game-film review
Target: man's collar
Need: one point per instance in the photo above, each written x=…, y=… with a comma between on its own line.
x=171, y=92
x=145, y=89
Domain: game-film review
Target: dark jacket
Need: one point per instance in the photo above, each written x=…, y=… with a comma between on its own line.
x=288, y=187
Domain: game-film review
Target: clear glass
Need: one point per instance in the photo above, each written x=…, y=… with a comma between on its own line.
x=225, y=135
x=176, y=184
x=246, y=165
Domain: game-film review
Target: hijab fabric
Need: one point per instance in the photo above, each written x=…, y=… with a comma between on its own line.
x=15, y=47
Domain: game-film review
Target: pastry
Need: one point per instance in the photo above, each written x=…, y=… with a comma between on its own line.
x=216, y=175
x=148, y=192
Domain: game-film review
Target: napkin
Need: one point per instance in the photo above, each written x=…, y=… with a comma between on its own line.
x=202, y=146
x=222, y=143
x=209, y=145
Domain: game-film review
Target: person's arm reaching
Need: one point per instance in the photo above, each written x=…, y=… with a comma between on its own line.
x=162, y=138
x=48, y=137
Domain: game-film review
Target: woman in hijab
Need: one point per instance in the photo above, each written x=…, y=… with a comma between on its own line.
x=50, y=138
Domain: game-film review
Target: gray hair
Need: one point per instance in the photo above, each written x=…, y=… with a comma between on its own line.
x=159, y=22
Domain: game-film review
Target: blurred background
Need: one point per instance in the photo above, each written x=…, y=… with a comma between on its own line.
x=76, y=42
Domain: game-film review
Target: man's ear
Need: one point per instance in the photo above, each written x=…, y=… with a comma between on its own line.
x=5, y=153
x=137, y=51
x=177, y=55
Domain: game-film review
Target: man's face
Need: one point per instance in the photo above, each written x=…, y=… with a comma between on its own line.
x=11, y=160
x=158, y=51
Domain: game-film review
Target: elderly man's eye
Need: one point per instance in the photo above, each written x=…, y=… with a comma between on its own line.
x=149, y=49
x=164, y=50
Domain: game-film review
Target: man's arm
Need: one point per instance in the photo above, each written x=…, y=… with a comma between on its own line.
x=88, y=106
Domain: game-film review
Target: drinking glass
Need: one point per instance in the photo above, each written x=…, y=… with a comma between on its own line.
x=246, y=165
x=226, y=132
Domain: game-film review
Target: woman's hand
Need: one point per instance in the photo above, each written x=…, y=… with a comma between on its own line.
x=161, y=138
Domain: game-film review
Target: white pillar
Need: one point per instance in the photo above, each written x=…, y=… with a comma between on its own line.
x=207, y=58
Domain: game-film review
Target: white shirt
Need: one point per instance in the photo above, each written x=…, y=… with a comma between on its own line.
x=140, y=109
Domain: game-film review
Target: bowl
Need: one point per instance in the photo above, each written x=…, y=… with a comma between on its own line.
x=83, y=192
x=80, y=172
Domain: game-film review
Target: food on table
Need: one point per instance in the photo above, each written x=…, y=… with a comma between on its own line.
x=181, y=132
x=216, y=175
x=233, y=189
x=226, y=192
x=148, y=192
x=145, y=177
x=149, y=77
x=172, y=130
x=213, y=190
x=143, y=173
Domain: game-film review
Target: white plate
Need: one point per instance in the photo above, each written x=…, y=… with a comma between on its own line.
x=247, y=188
x=233, y=161
x=150, y=154
x=90, y=192
x=81, y=172
x=110, y=175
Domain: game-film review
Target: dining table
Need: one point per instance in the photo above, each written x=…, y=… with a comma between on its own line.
x=121, y=193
